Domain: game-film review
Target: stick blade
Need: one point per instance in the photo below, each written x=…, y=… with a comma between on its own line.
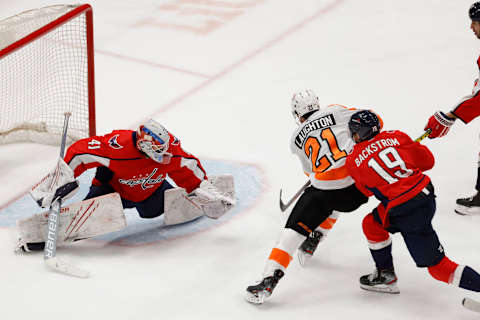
x=64, y=267
x=471, y=304
x=283, y=207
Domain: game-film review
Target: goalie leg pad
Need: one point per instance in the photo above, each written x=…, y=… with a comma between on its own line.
x=179, y=208
x=81, y=220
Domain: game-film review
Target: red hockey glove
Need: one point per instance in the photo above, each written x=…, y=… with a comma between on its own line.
x=439, y=123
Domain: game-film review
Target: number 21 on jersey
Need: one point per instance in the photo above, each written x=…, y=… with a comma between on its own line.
x=312, y=150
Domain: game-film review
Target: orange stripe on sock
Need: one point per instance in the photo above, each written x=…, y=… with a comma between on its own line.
x=305, y=227
x=281, y=257
x=328, y=224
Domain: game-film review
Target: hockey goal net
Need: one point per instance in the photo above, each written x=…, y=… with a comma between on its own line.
x=46, y=69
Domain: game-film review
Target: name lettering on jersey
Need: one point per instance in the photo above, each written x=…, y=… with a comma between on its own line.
x=112, y=142
x=317, y=124
x=146, y=182
x=374, y=147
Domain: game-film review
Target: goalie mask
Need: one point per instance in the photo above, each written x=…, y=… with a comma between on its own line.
x=304, y=102
x=153, y=140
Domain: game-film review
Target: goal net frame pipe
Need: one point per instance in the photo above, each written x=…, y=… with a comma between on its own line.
x=81, y=9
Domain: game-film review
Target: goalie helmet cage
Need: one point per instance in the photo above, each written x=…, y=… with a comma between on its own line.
x=47, y=69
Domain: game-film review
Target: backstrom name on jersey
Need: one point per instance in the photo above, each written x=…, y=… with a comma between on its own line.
x=317, y=124
x=374, y=147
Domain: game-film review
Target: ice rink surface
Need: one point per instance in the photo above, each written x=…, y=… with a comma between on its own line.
x=220, y=75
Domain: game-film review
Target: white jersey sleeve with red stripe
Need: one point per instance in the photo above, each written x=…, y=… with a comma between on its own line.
x=322, y=144
x=469, y=107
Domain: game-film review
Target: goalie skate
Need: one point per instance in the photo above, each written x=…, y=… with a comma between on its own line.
x=380, y=281
x=259, y=292
x=468, y=206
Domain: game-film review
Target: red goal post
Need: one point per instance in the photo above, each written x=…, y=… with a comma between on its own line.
x=47, y=69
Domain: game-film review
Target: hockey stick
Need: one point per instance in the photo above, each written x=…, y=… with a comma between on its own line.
x=50, y=251
x=284, y=206
x=424, y=135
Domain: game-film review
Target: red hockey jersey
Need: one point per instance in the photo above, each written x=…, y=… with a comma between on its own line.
x=135, y=176
x=389, y=166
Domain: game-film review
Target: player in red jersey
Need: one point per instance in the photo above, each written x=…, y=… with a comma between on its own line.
x=466, y=110
x=390, y=166
x=136, y=164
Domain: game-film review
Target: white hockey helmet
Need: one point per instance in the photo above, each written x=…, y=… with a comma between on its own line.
x=304, y=102
x=153, y=140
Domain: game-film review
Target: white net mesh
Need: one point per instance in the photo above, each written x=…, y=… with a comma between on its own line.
x=44, y=78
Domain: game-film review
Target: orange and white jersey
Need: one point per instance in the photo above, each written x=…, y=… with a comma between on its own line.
x=322, y=144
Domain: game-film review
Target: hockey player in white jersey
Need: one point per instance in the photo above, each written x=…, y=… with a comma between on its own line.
x=467, y=109
x=322, y=142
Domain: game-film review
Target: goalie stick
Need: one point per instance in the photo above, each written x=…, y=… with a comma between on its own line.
x=284, y=206
x=50, y=251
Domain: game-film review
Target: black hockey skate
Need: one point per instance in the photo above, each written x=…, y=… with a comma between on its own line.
x=380, y=281
x=308, y=247
x=466, y=206
x=259, y=292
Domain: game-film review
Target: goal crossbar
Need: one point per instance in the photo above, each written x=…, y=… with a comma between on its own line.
x=66, y=13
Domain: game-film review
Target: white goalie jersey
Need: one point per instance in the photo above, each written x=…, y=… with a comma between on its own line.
x=322, y=144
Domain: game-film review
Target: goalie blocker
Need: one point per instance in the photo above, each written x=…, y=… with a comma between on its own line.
x=57, y=184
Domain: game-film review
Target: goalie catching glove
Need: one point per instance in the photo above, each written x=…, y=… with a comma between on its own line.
x=212, y=202
x=58, y=184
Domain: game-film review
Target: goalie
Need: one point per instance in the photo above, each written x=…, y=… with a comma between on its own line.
x=133, y=165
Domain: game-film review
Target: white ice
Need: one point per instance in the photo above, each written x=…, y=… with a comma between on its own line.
x=225, y=92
